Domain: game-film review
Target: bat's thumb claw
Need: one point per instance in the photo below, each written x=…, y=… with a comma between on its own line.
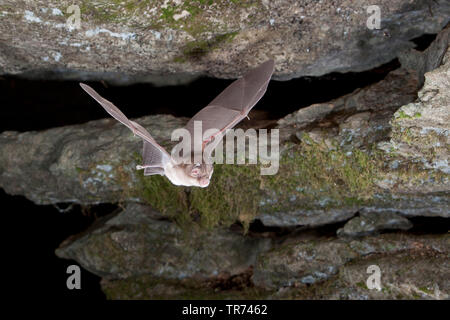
x=138, y=167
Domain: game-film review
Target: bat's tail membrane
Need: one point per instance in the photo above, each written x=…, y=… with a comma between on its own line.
x=153, y=171
x=152, y=156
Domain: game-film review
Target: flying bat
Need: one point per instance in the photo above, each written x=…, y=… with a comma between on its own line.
x=224, y=112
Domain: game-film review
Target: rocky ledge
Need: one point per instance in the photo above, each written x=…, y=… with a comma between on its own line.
x=141, y=256
x=376, y=150
x=172, y=41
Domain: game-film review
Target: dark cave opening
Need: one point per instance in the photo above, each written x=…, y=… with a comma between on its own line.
x=36, y=231
x=424, y=41
x=41, y=104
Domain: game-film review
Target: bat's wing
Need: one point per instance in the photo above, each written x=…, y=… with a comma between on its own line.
x=233, y=104
x=154, y=156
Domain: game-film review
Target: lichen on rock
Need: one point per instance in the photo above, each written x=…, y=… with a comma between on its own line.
x=133, y=242
x=171, y=41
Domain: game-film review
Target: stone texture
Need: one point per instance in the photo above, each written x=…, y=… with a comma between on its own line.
x=133, y=243
x=410, y=274
x=410, y=175
x=368, y=223
x=149, y=41
x=87, y=163
x=411, y=267
x=421, y=129
x=296, y=264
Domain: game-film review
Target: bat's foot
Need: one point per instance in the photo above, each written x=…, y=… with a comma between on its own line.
x=138, y=167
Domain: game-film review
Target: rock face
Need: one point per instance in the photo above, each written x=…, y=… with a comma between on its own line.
x=410, y=267
x=363, y=152
x=373, y=222
x=168, y=41
x=141, y=256
x=309, y=262
x=426, y=138
x=77, y=163
x=390, y=161
x=134, y=243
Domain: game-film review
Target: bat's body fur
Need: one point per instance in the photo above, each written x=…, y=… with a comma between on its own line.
x=224, y=112
x=177, y=174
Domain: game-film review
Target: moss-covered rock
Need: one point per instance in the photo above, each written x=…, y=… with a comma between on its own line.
x=140, y=255
x=328, y=268
x=146, y=287
x=174, y=41
x=368, y=223
x=139, y=241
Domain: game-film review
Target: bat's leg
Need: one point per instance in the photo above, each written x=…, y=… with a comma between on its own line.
x=139, y=167
x=134, y=130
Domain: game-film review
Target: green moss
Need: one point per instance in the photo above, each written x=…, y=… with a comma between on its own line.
x=127, y=11
x=404, y=135
x=233, y=195
x=147, y=287
x=426, y=290
x=179, y=59
x=78, y=170
x=312, y=176
x=161, y=194
x=402, y=115
x=204, y=22
x=197, y=49
x=217, y=205
x=362, y=285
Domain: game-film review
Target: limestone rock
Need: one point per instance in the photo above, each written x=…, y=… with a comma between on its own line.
x=168, y=42
x=421, y=129
x=133, y=243
x=326, y=262
x=87, y=163
x=372, y=222
x=411, y=267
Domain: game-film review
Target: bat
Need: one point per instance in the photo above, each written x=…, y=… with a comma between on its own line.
x=230, y=107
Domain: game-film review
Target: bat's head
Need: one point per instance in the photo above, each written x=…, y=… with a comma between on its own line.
x=200, y=172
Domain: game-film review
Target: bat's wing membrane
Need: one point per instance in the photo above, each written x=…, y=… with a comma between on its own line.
x=233, y=104
x=154, y=156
